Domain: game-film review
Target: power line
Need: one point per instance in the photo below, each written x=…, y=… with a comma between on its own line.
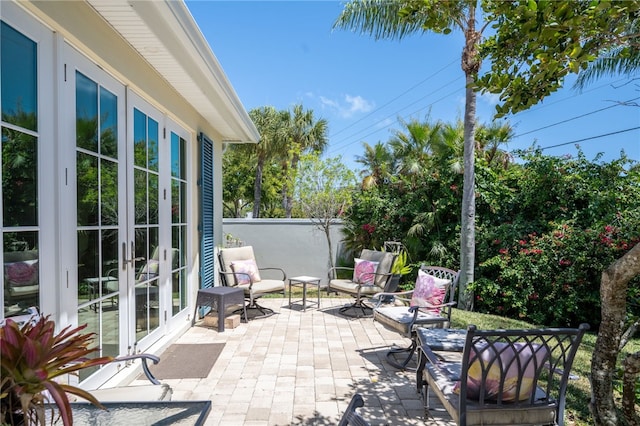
x=396, y=98
x=590, y=138
x=347, y=138
x=568, y=98
x=574, y=118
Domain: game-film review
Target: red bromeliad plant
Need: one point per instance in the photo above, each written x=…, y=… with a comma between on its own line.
x=31, y=358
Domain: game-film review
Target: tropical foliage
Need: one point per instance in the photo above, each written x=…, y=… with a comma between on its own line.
x=32, y=357
x=261, y=177
x=547, y=226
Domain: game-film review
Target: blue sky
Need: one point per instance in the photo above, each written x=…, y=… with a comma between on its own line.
x=283, y=53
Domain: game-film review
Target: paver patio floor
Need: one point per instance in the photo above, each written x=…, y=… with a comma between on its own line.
x=302, y=368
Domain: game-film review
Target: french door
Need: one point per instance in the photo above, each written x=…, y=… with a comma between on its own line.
x=130, y=209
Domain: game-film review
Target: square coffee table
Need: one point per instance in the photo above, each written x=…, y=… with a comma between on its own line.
x=302, y=281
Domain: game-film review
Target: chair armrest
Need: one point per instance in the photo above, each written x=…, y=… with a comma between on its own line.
x=430, y=306
x=333, y=271
x=234, y=275
x=380, y=298
x=145, y=367
x=284, y=275
x=396, y=294
x=430, y=356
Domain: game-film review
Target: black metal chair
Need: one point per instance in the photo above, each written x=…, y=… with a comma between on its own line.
x=504, y=377
x=363, y=287
x=351, y=416
x=402, y=318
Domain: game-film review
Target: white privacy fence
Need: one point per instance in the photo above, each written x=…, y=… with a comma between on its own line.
x=295, y=245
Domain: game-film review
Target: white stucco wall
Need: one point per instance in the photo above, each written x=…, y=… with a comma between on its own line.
x=294, y=245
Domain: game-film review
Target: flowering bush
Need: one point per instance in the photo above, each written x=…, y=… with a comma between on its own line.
x=553, y=278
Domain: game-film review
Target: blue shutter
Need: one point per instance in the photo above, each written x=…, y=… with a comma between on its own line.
x=207, y=255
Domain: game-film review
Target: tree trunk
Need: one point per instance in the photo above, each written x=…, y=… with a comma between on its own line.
x=257, y=189
x=613, y=296
x=470, y=66
x=631, y=368
x=327, y=233
x=287, y=190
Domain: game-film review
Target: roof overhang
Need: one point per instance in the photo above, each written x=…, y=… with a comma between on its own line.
x=165, y=34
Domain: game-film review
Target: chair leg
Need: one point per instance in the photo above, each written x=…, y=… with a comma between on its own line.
x=358, y=305
x=264, y=311
x=408, y=356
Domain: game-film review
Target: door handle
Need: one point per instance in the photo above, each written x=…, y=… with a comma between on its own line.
x=133, y=260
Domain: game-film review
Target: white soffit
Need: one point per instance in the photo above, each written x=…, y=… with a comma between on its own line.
x=167, y=37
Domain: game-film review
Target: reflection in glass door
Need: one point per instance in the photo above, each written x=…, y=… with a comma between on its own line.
x=146, y=250
x=19, y=170
x=97, y=165
x=178, y=223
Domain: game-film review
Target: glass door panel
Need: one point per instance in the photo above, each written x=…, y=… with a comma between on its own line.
x=98, y=218
x=19, y=169
x=178, y=224
x=146, y=224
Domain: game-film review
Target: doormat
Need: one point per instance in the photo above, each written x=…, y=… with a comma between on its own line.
x=192, y=361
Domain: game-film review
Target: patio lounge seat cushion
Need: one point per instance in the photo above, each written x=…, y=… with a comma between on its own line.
x=348, y=286
x=371, y=275
x=504, y=377
x=238, y=267
x=263, y=286
x=431, y=307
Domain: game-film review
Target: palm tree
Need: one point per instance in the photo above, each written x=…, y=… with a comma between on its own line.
x=273, y=137
x=396, y=19
x=489, y=138
x=414, y=148
x=619, y=60
x=378, y=165
x=306, y=135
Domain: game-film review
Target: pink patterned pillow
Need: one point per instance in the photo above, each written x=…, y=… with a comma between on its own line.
x=501, y=362
x=364, y=271
x=429, y=291
x=20, y=274
x=244, y=269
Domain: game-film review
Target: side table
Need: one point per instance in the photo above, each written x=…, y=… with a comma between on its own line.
x=303, y=281
x=218, y=298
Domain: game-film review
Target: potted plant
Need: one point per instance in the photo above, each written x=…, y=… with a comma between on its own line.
x=32, y=357
x=399, y=268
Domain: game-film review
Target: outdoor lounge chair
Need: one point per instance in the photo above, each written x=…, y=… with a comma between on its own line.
x=427, y=305
x=370, y=275
x=238, y=267
x=351, y=416
x=504, y=377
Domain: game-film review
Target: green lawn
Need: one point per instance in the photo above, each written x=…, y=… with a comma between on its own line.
x=578, y=391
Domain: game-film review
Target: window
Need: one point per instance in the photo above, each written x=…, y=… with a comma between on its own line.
x=19, y=168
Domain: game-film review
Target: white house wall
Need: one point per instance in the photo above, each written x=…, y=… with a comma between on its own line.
x=78, y=24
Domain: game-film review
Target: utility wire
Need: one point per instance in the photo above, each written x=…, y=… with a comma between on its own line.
x=574, y=118
x=396, y=98
x=590, y=138
x=347, y=138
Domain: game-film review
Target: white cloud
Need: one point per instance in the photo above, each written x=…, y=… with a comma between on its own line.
x=491, y=99
x=349, y=106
